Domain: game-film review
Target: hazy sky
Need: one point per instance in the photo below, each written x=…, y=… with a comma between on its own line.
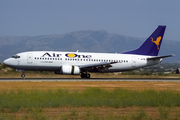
x=138, y=18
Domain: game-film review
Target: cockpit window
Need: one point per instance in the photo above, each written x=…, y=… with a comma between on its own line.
x=16, y=56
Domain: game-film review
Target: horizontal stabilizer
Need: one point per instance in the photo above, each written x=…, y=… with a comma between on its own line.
x=159, y=57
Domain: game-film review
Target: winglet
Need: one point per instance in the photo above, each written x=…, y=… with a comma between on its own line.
x=152, y=44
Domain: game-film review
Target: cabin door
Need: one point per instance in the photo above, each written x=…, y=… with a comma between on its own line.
x=29, y=58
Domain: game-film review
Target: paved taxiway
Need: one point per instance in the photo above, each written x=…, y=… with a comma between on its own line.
x=93, y=79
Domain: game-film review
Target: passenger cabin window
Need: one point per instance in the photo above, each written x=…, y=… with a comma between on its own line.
x=16, y=56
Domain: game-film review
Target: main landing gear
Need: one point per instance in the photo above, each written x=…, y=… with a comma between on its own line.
x=85, y=75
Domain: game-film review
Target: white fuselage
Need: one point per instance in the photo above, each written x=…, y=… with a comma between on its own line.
x=54, y=60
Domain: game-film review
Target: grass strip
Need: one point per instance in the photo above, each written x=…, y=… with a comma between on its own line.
x=90, y=97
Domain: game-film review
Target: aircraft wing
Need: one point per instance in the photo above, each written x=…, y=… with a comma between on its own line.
x=159, y=57
x=96, y=67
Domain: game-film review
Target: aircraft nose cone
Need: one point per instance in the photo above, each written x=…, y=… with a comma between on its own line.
x=6, y=62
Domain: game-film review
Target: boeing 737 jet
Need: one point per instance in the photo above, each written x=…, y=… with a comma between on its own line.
x=83, y=63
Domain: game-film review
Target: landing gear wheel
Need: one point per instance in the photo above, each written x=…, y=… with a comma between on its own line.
x=85, y=75
x=23, y=75
x=88, y=75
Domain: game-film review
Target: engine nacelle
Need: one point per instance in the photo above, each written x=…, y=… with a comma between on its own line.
x=70, y=70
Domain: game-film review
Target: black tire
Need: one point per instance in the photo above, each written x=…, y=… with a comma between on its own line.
x=83, y=75
x=88, y=75
x=23, y=75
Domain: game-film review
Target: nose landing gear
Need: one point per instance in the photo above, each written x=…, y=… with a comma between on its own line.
x=23, y=75
x=22, y=71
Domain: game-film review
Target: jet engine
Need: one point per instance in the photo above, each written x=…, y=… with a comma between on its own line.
x=69, y=70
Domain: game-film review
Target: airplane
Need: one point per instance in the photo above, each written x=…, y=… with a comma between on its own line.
x=83, y=63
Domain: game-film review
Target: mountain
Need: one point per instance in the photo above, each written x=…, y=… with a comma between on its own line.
x=84, y=41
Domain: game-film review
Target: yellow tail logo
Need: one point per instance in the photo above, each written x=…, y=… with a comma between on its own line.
x=157, y=41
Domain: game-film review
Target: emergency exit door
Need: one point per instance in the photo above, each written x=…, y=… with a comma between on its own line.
x=133, y=61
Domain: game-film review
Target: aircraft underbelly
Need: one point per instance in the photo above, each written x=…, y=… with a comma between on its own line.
x=39, y=68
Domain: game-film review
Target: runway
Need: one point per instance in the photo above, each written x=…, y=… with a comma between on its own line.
x=92, y=79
